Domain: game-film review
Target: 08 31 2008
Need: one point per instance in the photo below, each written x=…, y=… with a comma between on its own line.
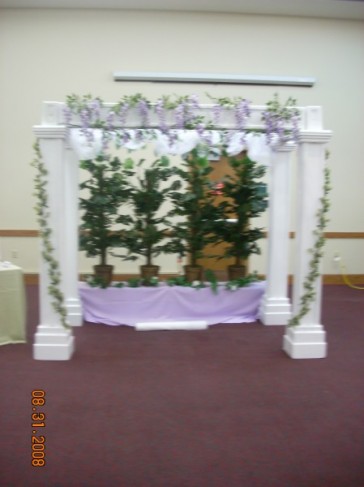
x=38, y=421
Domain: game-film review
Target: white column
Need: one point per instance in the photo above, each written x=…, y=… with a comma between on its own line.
x=308, y=339
x=276, y=307
x=69, y=240
x=52, y=340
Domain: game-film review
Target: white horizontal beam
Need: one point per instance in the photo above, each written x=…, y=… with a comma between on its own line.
x=239, y=79
x=53, y=117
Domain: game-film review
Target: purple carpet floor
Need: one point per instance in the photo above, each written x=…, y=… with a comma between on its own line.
x=223, y=407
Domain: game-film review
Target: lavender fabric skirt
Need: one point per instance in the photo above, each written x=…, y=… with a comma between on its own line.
x=128, y=306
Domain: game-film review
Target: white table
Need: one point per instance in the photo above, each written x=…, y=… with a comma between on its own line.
x=12, y=305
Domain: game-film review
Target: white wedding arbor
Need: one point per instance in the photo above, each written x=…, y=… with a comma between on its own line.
x=307, y=340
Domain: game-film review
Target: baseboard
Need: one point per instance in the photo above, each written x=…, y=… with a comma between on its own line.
x=31, y=278
x=335, y=235
x=356, y=279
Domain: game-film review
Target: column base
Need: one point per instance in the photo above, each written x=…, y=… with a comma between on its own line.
x=305, y=341
x=53, y=343
x=275, y=311
x=74, y=312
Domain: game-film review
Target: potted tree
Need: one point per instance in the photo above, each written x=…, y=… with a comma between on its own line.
x=147, y=231
x=105, y=192
x=195, y=206
x=245, y=198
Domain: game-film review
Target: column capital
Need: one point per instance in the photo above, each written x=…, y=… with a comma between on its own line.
x=50, y=131
x=312, y=118
x=53, y=113
x=314, y=137
x=288, y=147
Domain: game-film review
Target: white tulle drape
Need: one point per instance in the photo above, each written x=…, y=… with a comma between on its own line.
x=88, y=145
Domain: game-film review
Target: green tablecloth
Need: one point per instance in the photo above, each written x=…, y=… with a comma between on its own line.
x=12, y=305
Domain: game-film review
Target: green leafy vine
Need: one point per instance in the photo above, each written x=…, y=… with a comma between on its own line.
x=42, y=211
x=317, y=252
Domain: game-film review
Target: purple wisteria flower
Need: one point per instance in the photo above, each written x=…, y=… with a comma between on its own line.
x=139, y=135
x=216, y=114
x=106, y=137
x=123, y=112
x=125, y=136
x=94, y=106
x=281, y=132
x=274, y=127
x=120, y=138
x=200, y=127
x=143, y=110
x=281, y=121
x=179, y=116
x=267, y=118
x=172, y=138
x=110, y=121
x=206, y=137
x=194, y=102
x=162, y=116
x=242, y=113
x=85, y=116
x=191, y=107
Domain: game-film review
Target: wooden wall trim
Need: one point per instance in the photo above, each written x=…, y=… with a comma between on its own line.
x=344, y=235
x=355, y=279
x=327, y=279
x=337, y=235
x=328, y=235
x=19, y=233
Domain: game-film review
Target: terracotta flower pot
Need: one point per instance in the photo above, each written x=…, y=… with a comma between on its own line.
x=104, y=273
x=236, y=272
x=148, y=271
x=193, y=272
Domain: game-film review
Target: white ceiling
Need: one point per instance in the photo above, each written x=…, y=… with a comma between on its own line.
x=341, y=9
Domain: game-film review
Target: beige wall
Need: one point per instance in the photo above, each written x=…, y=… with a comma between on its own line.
x=48, y=54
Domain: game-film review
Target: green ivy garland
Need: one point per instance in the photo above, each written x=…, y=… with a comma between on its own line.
x=210, y=277
x=41, y=208
x=317, y=252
